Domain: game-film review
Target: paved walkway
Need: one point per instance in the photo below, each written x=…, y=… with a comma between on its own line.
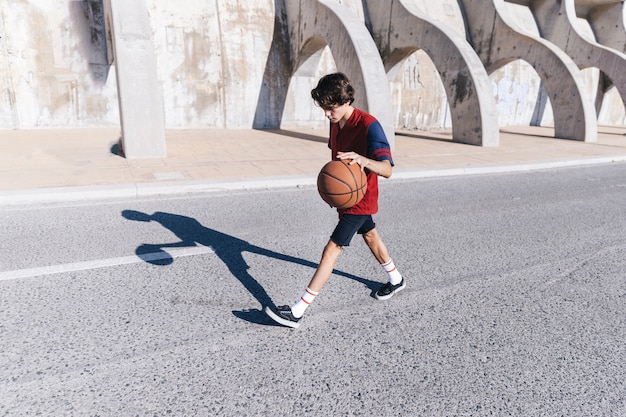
x=42, y=166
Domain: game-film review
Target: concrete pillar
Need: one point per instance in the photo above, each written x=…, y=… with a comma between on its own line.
x=139, y=92
x=557, y=22
x=313, y=24
x=402, y=28
x=494, y=36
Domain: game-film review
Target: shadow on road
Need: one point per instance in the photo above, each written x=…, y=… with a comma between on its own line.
x=228, y=248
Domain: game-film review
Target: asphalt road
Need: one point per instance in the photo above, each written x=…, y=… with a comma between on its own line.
x=515, y=304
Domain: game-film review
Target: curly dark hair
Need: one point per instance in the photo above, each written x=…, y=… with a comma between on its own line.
x=333, y=89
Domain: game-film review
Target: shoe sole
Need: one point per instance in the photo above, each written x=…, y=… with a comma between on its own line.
x=280, y=320
x=386, y=297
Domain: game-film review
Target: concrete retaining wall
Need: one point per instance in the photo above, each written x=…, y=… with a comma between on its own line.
x=213, y=60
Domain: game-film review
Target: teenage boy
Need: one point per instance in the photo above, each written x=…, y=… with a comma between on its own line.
x=358, y=137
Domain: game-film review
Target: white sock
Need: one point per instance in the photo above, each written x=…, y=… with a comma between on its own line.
x=394, y=275
x=307, y=298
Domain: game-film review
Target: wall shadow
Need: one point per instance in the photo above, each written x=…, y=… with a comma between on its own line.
x=228, y=248
x=277, y=74
x=437, y=137
x=298, y=135
x=89, y=17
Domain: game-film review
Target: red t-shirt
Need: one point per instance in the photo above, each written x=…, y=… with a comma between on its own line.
x=364, y=135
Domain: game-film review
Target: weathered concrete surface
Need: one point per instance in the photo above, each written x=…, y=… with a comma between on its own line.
x=419, y=98
x=607, y=22
x=584, y=7
x=53, y=65
x=402, y=27
x=141, y=104
x=558, y=23
x=217, y=64
x=608, y=25
x=498, y=41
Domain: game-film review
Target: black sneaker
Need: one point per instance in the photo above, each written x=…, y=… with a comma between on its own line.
x=388, y=290
x=282, y=315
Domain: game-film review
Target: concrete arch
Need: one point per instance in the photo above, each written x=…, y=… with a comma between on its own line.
x=495, y=38
x=352, y=47
x=401, y=28
x=557, y=23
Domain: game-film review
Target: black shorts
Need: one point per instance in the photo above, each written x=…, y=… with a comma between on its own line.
x=349, y=225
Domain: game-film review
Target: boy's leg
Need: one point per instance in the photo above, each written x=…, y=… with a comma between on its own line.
x=290, y=316
x=325, y=268
x=376, y=245
x=379, y=250
x=320, y=278
x=342, y=235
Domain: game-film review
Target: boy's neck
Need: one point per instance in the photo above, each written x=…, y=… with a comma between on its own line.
x=345, y=117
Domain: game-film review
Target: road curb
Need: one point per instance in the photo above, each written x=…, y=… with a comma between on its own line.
x=495, y=169
x=142, y=190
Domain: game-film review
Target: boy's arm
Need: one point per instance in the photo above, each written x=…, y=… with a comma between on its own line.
x=382, y=168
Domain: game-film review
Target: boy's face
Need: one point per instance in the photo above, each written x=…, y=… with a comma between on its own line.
x=338, y=112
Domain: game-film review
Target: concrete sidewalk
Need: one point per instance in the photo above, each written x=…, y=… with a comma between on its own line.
x=47, y=166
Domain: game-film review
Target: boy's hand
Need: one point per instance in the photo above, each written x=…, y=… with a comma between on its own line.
x=382, y=168
x=355, y=158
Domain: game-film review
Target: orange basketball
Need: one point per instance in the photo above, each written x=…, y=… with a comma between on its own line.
x=341, y=185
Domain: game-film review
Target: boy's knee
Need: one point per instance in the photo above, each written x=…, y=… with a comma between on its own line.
x=371, y=236
x=332, y=248
x=370, y=233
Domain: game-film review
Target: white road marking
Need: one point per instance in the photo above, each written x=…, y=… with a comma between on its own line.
x=103, y=263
